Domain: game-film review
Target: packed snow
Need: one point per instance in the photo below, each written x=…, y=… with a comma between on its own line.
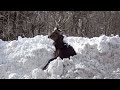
x=97, y=58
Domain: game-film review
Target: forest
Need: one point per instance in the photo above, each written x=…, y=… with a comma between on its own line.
x=72, y=23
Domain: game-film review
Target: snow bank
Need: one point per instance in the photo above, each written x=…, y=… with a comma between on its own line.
x=97, y=58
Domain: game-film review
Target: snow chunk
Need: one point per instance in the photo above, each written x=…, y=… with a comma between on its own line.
x=56, y=67
x=13, y=76
x=103, y=46
x=38, y=74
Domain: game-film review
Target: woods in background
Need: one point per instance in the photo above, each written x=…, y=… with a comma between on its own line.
x=73, y=23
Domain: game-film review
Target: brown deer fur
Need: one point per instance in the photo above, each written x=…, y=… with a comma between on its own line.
x=63, y=50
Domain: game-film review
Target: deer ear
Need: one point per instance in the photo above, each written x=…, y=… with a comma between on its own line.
x=60, y=31
x=55, y=28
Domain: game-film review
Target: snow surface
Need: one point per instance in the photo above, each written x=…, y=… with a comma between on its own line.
x=97, y=58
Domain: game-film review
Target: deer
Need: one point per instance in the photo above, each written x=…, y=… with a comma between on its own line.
x=63, y=49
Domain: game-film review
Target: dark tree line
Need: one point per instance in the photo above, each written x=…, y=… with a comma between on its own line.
x=75, y=23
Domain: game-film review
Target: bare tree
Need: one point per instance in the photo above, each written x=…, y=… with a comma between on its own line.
x=75, y=23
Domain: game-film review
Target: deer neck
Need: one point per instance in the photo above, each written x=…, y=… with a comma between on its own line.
x=59, y=44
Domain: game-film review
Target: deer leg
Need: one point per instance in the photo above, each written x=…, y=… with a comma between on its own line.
x=45, y=67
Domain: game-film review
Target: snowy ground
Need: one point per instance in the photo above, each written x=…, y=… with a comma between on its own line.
x=97, y=58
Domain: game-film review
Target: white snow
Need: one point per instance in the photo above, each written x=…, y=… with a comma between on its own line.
x=38, y=73
x=97, y=58
x=56, y=67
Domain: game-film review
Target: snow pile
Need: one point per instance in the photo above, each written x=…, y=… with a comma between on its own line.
x=97, y=58
x=23, y=55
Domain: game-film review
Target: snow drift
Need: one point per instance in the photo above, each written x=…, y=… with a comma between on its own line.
x=97, y=58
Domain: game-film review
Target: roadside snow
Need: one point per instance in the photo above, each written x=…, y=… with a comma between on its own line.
x=97, y=58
